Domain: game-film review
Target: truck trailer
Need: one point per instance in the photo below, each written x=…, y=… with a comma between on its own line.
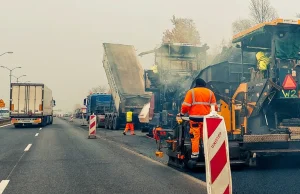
x=125, y=78
x=31, y=104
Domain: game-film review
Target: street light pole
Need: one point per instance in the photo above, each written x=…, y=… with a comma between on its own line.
x=18, y=77
x=6, y=53
x=10, y=71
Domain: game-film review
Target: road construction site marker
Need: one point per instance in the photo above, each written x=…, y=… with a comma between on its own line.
x=27, y=148
x=217, y=163
x=3, y=185
x=92, y=127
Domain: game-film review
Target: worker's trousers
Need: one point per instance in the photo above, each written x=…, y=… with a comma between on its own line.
x=196, y=132
x=129, y=126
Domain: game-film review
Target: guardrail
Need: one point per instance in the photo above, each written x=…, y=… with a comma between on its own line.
x=4, y=121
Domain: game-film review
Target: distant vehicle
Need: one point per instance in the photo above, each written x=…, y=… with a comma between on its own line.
x=66, y=116
x=4, y=113
x=98, y=104
x=31, y=104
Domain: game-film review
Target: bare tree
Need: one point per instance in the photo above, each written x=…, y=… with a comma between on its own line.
x=240, y=25
x=298, y=15
x=99, y=89
x=184, y=31
x=262, y=11
x=77, y=106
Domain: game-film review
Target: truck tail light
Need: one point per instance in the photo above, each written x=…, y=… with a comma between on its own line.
x=12, y=107
x=40, y=107
x=13, y=120
x=38, y=120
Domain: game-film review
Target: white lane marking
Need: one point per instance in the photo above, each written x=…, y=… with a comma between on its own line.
x=37, y=134
x=3, y=185
x=40, y=128
x=5, y=125
x=28, y=147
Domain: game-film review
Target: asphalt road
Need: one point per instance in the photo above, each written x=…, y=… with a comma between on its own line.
x=276, y=175
x=60, y=159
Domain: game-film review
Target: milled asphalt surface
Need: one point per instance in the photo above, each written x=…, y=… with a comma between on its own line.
x=276, y=175
x=62, y=160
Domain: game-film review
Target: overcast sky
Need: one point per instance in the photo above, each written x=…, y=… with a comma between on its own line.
x=59, y=42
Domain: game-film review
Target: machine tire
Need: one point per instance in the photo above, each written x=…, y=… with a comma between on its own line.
x=115, y=123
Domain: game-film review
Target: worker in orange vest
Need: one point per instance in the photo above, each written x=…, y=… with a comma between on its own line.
x=197, y=104
x=129, y=123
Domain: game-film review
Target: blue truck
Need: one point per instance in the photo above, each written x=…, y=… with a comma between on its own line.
x=98, y=104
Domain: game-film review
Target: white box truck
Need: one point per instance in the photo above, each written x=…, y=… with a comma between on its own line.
x=31, y=104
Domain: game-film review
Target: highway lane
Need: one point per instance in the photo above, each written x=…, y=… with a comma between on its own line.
x=62, y=160
x=277, y=175
x=12, y=144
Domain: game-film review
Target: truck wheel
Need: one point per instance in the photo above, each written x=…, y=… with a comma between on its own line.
x=51, y=120
x=110, y=123
x=115, y=123
x=106, y=123
x=44, y=121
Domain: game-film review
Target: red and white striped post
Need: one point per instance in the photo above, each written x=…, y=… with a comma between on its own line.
x=92, y=127
x=217, y=163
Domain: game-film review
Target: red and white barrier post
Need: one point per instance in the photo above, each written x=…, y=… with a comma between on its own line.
x=217, y=163
x=92, y=126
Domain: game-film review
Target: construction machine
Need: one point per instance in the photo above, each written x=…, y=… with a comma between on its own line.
x=260, y=102
x=174, y=63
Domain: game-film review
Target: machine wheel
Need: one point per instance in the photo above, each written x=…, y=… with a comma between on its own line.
x=115, y=123
x=175, y=162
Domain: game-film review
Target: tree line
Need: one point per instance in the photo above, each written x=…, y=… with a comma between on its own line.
x=185, y=31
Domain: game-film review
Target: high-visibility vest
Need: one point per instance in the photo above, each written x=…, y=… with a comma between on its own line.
x=262, y=61
x=129, y=116
x=198, y=102
x=154, y=69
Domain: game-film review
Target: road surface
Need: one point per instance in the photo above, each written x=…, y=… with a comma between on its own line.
x=278, y=175
x=60, y=159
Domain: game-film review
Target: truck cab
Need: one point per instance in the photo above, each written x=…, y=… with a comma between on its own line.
x=98, y=104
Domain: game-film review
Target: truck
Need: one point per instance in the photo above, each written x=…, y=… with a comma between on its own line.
x=174, y=63
x=4, y=113
x=98, y=104
x=259, y=102
x=31, y=104
x=125, y=78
